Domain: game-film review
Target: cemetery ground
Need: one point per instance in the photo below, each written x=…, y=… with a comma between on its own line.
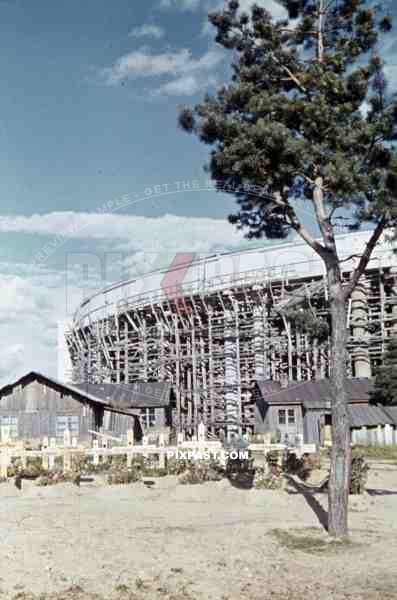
x=209, y=541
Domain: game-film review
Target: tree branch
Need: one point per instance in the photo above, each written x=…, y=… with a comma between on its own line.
x=304, y=233
x=320, y=39
x=365, y=257
x=289, y=72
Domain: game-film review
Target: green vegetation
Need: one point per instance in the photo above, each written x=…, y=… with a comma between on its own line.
x=308, y=540
x=358, y=474
x=376, y=452
x=385, y=391
x=200, y=471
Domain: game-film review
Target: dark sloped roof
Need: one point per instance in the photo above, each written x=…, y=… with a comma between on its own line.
x=115, y=397
x=368, y=416
x=130, y=395
x=50, y=381
x=313, y=394
x=391, y=411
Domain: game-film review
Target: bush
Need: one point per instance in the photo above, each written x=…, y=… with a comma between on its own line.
x=274, y=459
x=79, y=462
x=102, y=467
x=268, y=479
x=358, y=474
x=51, y=478
x=377, y=452
x=33, y=469
x=176, y=467
x=121, y=475
x=200, y=471
x=118, y=461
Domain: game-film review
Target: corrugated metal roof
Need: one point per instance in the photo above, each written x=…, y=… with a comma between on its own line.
x=368, y=416
x=313, y=394
x=129, y=395
x=391, y=411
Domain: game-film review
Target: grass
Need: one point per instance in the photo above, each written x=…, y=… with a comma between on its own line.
x=308, y=540
x=377, y=452
x=143, y=590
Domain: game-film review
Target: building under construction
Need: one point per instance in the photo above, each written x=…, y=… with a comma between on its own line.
x=232, y=322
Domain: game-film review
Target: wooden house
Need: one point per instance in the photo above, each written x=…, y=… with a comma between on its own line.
x=304, y=409
x=37, y=406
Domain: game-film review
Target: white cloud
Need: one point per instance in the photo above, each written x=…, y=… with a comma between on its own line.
x=168, y=230
x=185, y=86
x=275, y=9
x=142, y=63
x=180, y=4
x=147, y=30
x=12, y=359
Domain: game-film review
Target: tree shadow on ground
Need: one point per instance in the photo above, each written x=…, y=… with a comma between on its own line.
x=375, y=492
x=308, y=494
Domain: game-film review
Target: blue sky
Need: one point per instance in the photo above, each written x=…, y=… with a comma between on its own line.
x=88, y=112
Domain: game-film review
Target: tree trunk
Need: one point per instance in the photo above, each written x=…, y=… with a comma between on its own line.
x=339, y=482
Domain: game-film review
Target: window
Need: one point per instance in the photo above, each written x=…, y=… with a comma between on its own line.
x=291, y=416
x=286, y=416
x=71, y=422
x=148, y=417
x=9, y=427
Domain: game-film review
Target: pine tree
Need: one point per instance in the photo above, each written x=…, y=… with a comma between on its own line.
x=385, y=390
x=307, y=114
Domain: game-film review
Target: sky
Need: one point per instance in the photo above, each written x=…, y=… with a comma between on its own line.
x=88, y=117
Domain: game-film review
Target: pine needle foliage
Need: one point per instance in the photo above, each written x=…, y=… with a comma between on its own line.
x=297, y=109
x=385, y=391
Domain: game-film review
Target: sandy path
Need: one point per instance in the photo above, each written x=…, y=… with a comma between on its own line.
x=213, y=538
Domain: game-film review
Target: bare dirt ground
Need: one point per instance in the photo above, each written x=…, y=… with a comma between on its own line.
x=209, y=541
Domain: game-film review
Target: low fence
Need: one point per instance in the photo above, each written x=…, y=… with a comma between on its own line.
x=51, y=452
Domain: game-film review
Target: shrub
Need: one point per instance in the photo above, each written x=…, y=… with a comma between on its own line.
x=176, y=467
x=200, y=471
x=274, y=459
x=120, y=474
x=358, y=474
x=52, y=478
x=118, y=461
x=79, y=462
x=33, y=470
x=268, y=478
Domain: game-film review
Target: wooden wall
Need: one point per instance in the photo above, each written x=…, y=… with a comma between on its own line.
x=119, y=424
x=267, y=420
x=37, y=405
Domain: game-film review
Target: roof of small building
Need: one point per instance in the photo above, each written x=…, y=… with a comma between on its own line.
x=369, y=416
x=117, y=397
x=314, y=394
x=391, y=411
x=130, y=395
